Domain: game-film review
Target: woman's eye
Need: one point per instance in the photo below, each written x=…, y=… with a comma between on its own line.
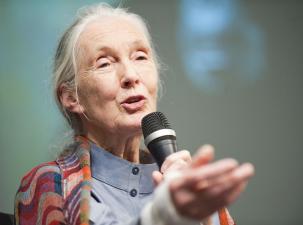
x=141, y=55
x=103, y=63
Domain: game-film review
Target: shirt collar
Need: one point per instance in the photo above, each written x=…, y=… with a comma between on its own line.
x=118, y=172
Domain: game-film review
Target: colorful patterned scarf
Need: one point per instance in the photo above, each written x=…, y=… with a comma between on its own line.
x=58, y=192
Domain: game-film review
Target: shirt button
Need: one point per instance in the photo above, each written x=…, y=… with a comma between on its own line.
x=133, y=193
x=135, y=170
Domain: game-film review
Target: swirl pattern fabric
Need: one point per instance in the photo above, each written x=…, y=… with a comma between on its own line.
x=58, y=192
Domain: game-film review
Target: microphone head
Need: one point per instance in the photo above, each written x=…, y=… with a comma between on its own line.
x=159, y=138
x=152, y=122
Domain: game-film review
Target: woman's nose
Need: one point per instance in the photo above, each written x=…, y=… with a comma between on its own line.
x=130, y=76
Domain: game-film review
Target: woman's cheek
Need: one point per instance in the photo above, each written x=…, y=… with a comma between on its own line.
x=150, y=78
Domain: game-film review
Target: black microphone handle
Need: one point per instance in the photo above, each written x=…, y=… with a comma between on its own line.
x=160, y=149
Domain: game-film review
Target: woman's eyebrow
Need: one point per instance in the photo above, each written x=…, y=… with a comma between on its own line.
x=114, y=49
x=103, y=49
x=140, y=43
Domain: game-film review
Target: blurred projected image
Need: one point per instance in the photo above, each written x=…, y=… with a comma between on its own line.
x=219, y=46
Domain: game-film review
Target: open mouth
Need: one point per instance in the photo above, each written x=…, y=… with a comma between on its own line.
x=133, y=103
x=134, y=99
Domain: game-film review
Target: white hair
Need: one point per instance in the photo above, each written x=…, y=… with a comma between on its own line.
x=65, y=63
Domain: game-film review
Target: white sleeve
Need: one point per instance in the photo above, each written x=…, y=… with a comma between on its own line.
x=161, y=210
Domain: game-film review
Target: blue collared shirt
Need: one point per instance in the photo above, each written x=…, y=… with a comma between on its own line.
x=120, y=189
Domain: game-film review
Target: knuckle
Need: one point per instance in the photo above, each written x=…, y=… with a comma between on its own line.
x=178, y=162
x=228, y=163
x=185, y=154
x=232, y=162
x=169, y=159
x=234, y=177
x=182, y=164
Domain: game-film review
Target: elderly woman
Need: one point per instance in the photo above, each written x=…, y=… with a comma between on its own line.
x=105, y=81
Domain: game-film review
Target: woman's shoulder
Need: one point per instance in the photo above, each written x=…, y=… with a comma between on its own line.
x=48, y=187
x=52, y=172
x=40, y=177
x=40, y=190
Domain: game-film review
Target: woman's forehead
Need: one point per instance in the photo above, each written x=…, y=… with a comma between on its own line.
x=105, y=32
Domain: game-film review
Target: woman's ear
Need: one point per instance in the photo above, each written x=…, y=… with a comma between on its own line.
x=69, y=99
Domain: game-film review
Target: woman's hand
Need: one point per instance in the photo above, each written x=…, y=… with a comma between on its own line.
x=203, y=188
x=176, y=161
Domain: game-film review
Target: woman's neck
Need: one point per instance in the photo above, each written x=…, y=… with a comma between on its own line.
x=126, y=147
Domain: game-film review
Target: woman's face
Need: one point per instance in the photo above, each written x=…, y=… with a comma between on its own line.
x=117, y=81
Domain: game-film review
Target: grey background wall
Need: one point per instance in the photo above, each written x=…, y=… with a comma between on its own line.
x=233, y=78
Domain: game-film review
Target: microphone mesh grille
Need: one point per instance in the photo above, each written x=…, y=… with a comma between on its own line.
x=153, y=122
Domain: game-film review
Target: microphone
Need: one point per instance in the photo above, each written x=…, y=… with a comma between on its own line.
x=159, y=138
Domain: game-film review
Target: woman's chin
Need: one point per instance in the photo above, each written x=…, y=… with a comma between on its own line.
x=131, y=124
x=129, y=130
x=134, y=122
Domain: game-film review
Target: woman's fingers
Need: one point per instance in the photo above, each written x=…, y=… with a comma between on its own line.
x=177, y=165
x=195, y=177
x=227, y=188
x=201, y=191
x=183, y=158
x=204, y=155
x=244, y=175
x=157, y=177
x=226, y=183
